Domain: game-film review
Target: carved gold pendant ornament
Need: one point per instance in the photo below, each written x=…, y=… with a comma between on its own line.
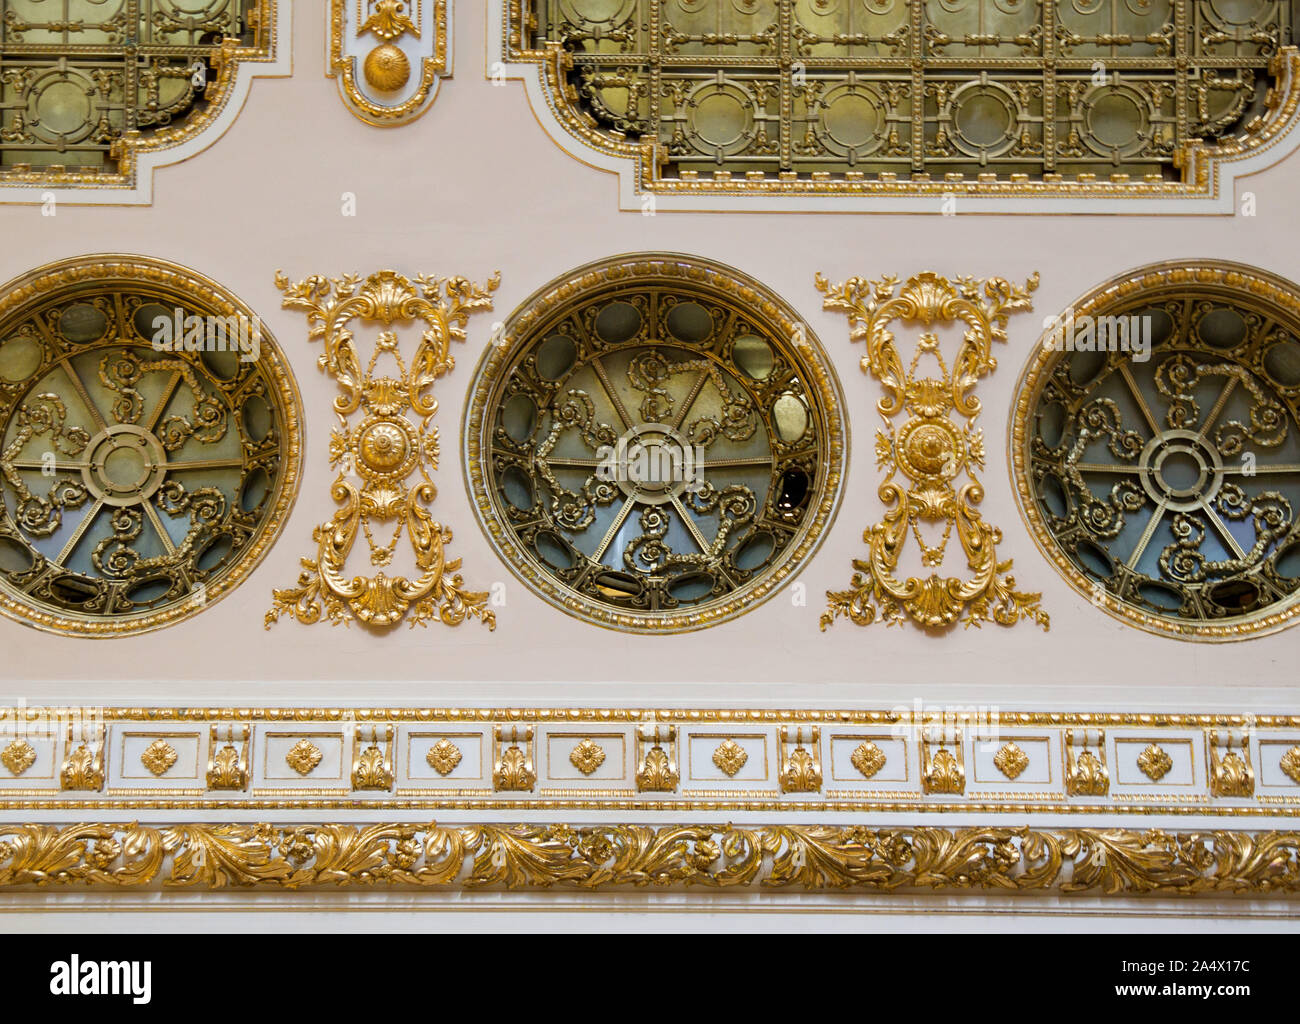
x=931, y=449
x=391, y=453
x=382, y=38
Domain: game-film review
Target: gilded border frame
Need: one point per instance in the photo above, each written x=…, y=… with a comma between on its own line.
x=704, y=858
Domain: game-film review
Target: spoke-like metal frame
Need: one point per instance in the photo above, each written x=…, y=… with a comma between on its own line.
x=662, y=557
x=1204, y=557
x=60, y=432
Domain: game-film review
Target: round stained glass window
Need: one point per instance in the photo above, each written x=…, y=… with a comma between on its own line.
x=656, y=444
x=1156, y=449
x=151, y=444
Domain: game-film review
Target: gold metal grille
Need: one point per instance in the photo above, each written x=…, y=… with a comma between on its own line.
x=79, y=76
x=656, y=444
x=144, y=468
x=1156, y=446
x=914, y=90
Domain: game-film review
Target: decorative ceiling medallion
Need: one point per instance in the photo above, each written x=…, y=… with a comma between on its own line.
x=902, y=106
x=657, y=443
x=1011, y=760
x=376, y=47
x=91, y=102
x=392, y=453
x=151, y=444
x=868, y=759
x=443, y=757
x=587, y=756
x=1155, y=445
x=18, y=756
x=303, y=757
x=1289, y=763
x=729, y=757
x=158, y=757
x=1154, y=762
x=931, y=449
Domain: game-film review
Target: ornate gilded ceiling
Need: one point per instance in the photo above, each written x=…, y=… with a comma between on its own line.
x=652, y=442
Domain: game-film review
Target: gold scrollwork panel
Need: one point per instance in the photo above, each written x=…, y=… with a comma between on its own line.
x=932, y=449
x=386, y=438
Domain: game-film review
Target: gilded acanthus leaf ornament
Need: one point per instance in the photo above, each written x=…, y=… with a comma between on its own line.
x=1011, y=760
x=389, y=443
x=932, y=448
x=227, y=771
x=18, y=756
x=1086, y=861
x=1231, y=773
x=800, y=773
x=372, y=769
x=158, y=757
x=83, y=766
x=868, y=759
x=944, y=773
x=443, y=757
x=1087, y=776
x=657, y=774
x=513, y=773
x=1155, y=762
